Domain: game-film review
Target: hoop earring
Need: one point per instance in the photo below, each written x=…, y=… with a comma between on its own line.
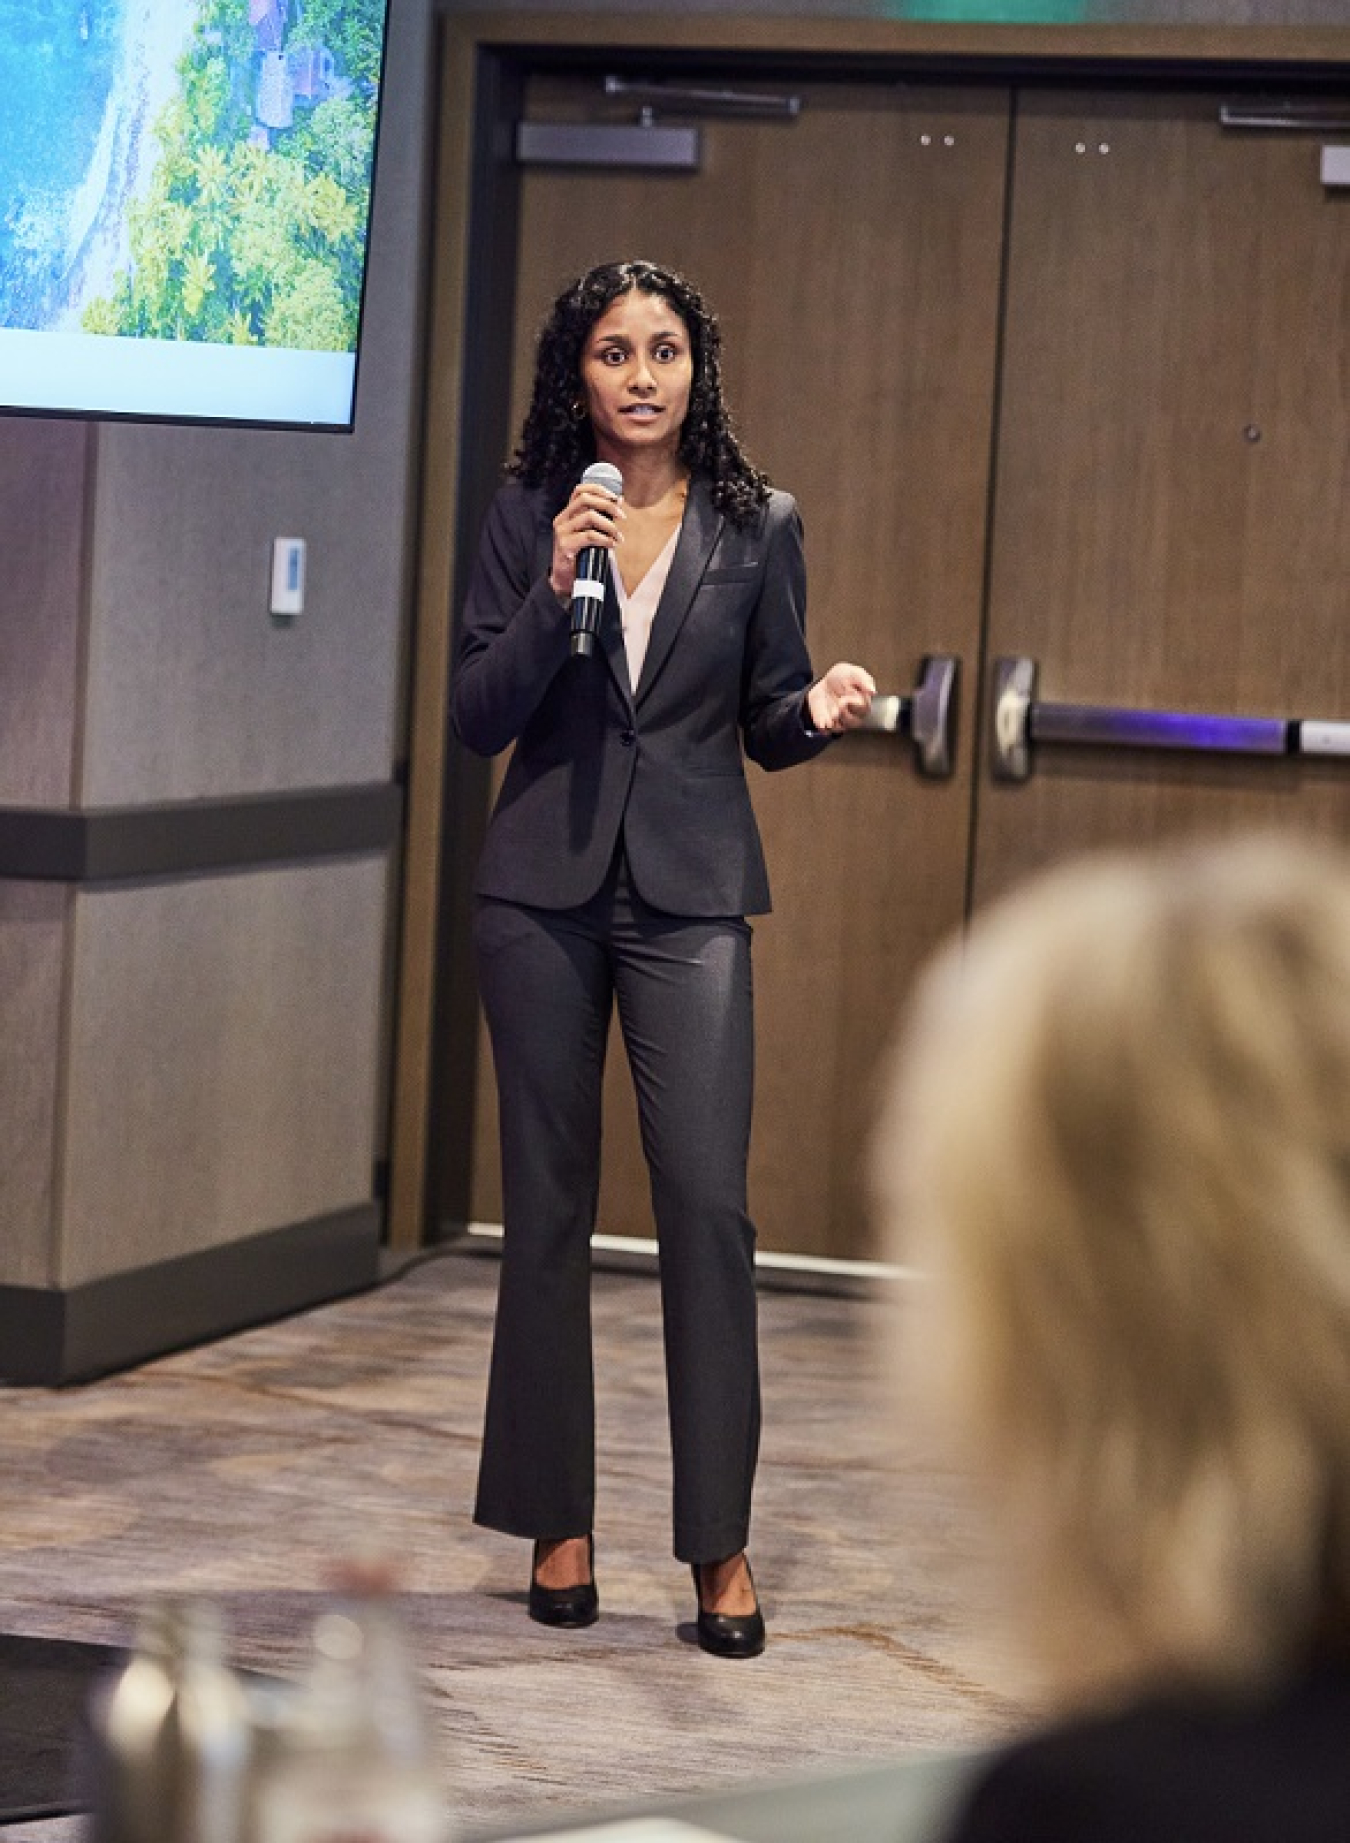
x=577, y=409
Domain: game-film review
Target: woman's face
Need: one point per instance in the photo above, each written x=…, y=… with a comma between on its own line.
x=637, y=368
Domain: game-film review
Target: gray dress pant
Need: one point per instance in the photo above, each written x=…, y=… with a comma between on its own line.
x=682, y=986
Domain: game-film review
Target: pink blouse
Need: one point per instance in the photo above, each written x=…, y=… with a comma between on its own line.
x=638, y=609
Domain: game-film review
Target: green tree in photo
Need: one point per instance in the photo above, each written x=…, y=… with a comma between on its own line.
x=307, y=310
x=352, y=32
x=245, y=238
x=335, y=138
x=213, y=178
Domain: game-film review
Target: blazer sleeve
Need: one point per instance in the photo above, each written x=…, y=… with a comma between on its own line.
x=514, y=637
x=777, y=664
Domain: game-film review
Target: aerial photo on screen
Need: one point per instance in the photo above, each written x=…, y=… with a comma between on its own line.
x=188, y=170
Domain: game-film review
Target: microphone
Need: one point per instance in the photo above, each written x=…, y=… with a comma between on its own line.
x=588, y=591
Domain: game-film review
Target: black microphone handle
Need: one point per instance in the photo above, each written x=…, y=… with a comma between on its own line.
x=588, y=589
x=588, y=599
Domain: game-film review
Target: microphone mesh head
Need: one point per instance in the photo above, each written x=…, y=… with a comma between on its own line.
x=606, y=476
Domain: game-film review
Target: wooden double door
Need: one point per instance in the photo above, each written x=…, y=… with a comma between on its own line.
x=1055, y=376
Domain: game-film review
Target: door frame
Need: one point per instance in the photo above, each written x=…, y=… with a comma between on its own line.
x=483, y=63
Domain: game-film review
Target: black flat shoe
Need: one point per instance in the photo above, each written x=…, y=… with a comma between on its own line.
x=729, y=1634
x=571, y=1606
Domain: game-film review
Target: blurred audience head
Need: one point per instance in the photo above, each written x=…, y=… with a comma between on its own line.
x=1117, y=1139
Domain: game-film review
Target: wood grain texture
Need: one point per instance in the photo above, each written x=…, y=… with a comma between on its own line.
x=717, y=240
x=1173, y=468
x=852, y=257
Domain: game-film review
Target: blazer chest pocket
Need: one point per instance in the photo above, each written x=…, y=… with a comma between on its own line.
x=730, y=572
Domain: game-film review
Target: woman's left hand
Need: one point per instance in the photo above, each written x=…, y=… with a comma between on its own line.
x=841, y=700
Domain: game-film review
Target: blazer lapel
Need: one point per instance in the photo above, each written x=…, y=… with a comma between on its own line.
x=698, y=537
x=611, y=639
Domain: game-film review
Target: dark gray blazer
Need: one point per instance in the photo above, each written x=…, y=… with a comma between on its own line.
x=726, y=668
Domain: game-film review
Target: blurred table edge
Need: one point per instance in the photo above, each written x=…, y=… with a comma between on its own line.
x=901, y=1801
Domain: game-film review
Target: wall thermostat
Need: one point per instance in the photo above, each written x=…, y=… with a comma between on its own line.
x=288, y=575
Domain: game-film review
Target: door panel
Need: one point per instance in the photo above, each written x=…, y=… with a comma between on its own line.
x=1173, y=464
x=1168, y=529
x=853, y=257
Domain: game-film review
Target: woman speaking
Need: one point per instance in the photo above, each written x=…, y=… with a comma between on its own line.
x=620, y=863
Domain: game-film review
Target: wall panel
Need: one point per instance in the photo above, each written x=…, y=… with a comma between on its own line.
x=191, y=1091
x=44, y=471
x=32, y=947
x=195, y=690
x=224, y=1040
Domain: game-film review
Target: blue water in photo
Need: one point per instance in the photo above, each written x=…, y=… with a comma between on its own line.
x=58, y=63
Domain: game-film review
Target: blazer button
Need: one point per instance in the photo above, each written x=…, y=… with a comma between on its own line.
x=628, y=738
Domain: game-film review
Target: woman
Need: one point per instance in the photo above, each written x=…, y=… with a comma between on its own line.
x=620, y=863
x=1121, y=1136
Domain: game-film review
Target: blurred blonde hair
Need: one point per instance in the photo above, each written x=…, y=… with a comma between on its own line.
x=1118, y=1131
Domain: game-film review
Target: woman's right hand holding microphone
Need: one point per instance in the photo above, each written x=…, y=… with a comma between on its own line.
x=590, y=518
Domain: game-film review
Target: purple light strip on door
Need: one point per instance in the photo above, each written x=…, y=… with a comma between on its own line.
x=1159, y=729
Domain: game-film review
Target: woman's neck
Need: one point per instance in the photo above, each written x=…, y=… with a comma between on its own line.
x=649, y=478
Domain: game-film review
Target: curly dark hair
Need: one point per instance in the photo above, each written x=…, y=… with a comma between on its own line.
x=555, y=445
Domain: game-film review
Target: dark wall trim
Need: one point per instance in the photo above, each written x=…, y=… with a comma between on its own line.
x=484, y=437
x=108, y=844
x=1078, y=68
x=50, y=1336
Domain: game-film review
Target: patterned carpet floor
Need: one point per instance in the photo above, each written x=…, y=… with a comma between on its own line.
x=246, y=1469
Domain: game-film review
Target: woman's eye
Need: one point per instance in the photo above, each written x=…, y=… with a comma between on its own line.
x=612, y=356
x=666, y=354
